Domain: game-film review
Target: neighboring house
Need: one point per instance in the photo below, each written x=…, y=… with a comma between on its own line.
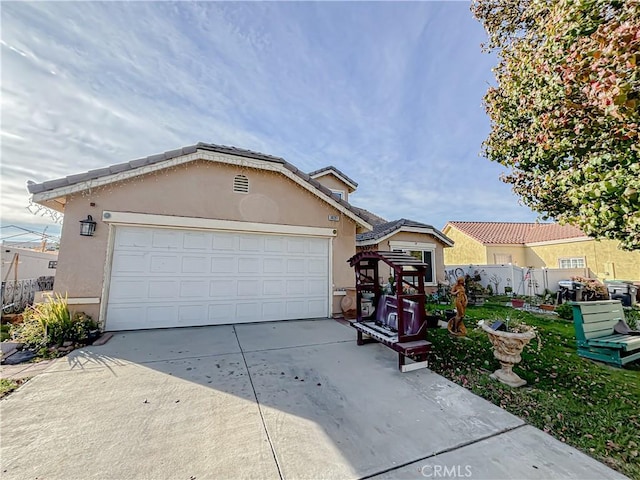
x=538, y=245
x=23, y=264
x=204, y=235
x=418, y=239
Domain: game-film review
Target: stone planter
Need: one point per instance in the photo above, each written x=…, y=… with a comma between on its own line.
x=507, y=347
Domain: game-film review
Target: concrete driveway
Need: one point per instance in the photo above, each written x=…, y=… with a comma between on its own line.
x=289, y=400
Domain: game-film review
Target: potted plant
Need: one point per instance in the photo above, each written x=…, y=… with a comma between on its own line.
x=517, y=302
x=508, y=338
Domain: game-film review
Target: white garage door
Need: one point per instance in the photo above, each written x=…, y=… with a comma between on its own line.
x=169, y=277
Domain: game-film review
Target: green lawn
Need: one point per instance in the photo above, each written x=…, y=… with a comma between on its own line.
x=7, y=386
x=595, y=408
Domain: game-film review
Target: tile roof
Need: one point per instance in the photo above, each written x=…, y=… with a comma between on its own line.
x=329, y=169
x=35, y=188
x=381, y=230
x=372, y=217
x=515, y=233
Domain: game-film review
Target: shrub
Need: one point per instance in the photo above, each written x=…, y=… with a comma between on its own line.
x=51, y=323
x=632, y=317
x=565, y=311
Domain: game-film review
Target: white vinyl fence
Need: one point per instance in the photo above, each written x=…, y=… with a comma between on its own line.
x=522, y=280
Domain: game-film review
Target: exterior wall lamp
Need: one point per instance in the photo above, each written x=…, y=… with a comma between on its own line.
x=87, y=227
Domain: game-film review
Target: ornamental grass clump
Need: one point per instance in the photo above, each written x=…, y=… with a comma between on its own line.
x=50, y=324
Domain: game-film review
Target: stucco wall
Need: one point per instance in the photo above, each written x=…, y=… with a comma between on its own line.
x=333, y=183
x=600, y=256
x=202, y=190
x=31, y=264
x=416, y=238
x=518, y=255
x=466, y=250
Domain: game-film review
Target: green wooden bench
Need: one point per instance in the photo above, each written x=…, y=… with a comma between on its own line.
x=594, y=322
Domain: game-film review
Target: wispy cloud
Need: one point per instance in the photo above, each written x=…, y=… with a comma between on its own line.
x=388, y=92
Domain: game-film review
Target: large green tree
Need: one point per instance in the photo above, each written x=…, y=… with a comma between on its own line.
x=565, y=113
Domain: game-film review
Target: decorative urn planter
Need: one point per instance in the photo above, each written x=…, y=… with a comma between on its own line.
x=507, y=347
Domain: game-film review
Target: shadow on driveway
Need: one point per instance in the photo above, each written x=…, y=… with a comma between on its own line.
x=291, y=400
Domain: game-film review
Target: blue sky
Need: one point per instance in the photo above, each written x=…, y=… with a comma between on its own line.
x=388, y=92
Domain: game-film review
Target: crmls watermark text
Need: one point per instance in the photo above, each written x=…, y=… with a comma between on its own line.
x=446, y=471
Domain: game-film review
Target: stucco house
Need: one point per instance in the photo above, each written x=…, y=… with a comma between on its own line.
x=538, y=245
x=203, y=235
x=423, y=241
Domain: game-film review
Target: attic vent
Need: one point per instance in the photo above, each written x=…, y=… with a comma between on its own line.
x=240, y=184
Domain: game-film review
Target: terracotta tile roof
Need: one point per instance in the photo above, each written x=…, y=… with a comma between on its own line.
x=514, y=233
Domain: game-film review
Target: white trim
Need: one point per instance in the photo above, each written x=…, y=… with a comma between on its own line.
x=556, y=242
x=83, y=300
x=198, y=155
x=419, y=247
x=151, y=220
x=343, y=194
x=331, y=171
x=330, y=279
x=428, y=231
x=106, y=279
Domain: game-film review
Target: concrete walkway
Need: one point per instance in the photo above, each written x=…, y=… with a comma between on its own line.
x=284, y=400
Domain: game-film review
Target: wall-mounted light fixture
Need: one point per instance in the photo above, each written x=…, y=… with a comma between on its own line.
x=87, y=227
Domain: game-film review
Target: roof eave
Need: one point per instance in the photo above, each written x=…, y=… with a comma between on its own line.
x=46, y=196
x=429, y=231
x=352, y=186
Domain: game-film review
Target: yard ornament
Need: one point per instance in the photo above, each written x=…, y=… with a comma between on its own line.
x=456, y=325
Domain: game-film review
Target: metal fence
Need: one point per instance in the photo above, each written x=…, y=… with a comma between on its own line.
x=16, y=296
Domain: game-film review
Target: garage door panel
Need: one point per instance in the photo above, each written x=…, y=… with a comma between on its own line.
x=248, y=265
x=295, y=308
x=248, y=288
x=272, y=287
x=136, y=239
x=221, y=312
x=273, y=265
x=316, y=287
x=189, y=315
x=317, y=266
x=316, y=308
x=162, y=278
x=223, y=265
x=164, y=239
x=128, y=289
x=223, y=241
x=296, y=265
x=130, y=263
x=250, y=243
x=194, y=264
x=164, y=264
x=274, y=244
x=196, y=241
x=163, y=289
x=194, y=288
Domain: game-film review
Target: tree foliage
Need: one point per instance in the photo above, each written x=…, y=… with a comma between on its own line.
x=565, y=113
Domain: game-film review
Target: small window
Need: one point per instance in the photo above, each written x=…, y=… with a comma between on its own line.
x=240, y=184
x=53, y=263
x=502, y=258
x=576, y=262
x=338, y=193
